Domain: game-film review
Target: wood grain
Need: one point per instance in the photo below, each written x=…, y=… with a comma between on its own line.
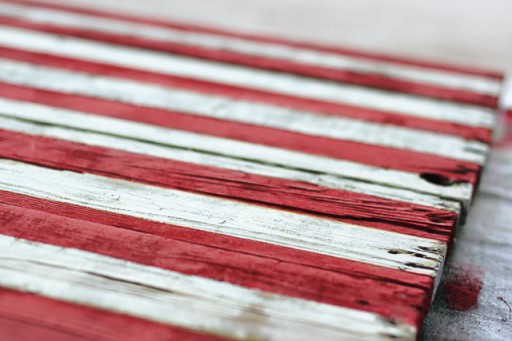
x=162, y=296
x=243, y=262
x=283, y=57
x=201, y=184
x=234, y=110
x=247, y=77
x=362, y=206
x=273, y=226
x=453, y=188
x=257, y=96
x=24, y=316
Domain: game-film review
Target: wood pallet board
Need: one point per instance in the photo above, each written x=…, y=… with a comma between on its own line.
x=164, y=181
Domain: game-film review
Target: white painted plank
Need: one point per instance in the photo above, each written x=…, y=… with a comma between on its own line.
x=247, y=77
x=193, y=103
x=323, y=236
x=232, y=148
x=187, y=301
x=254, y=48
x=218, y=161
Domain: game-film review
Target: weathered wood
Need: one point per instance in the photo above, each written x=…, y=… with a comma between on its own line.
x=199, y=184
x=257, y=96
x=281, y=83
x=24, y=316
x=165, y=296
x=367, y=205
x=261, y=153
x=206, y=213
x=249, y=113
x=457, y=86
x=244, y=262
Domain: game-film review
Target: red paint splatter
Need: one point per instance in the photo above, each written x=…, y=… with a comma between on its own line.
x=508, y=115
x=504, y=140
x=462, y=287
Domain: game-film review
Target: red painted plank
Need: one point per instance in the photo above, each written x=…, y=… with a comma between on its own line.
x=331, y=74
x=298, y=103
x=452, y=170
x=350, y=207
x=276, y=269
x=28, y=317
x=337, y=50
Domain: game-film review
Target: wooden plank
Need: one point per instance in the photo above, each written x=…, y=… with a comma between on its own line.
x=280, y=83
x=207, y=213
x=347, y=201
x=275, y=269
x=257, y=53
x=475, y=290
x=123, y=15
x=241, y=150
x=257, y=96
x=204, y=184
x=231, y=110
x=24, y=316
x=165, y=296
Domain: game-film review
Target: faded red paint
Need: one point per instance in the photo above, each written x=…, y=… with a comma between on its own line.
x=335, y=74
x=462, y=288
x=373, y=155
x=202, y=86
x=395, y=294
x=350, y=207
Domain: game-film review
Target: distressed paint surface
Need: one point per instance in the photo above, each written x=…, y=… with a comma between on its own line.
x=276, y=269
x=456, y=86
x=280, y=83
x=227, y=217
x=292, y=102
x=236, y=150
x=199, y=184
x=186, y=301
x=274, y=189
x=454, y=189
x=216, y=107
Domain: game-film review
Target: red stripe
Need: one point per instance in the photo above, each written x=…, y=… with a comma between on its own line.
x=275, y=269
x=345, y=206
x=332, y=74
x=453, y=170
x=298, y=103
x=336, y=50
x=27, y=317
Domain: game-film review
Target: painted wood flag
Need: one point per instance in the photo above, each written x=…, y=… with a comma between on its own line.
x=161, y=181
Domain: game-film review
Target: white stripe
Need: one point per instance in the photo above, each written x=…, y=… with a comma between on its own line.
x=247, y=77
x=299, y=231
x=232, y=148
x=324, y=180
x=191, y=103
x=187, y=301
x=306, y=56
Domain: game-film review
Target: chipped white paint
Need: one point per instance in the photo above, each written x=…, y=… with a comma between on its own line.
x=188, y=301
x=232, y=148
x=323, y=236
x=218, y=161
x=246, y=77
x=305, y=56
x=193, y=103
